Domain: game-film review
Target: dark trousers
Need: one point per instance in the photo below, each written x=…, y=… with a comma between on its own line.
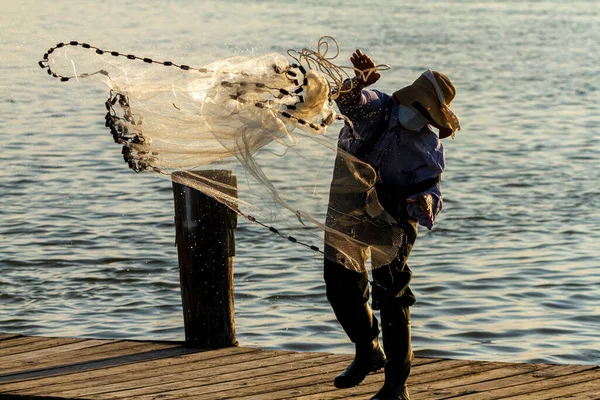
x=348, y=294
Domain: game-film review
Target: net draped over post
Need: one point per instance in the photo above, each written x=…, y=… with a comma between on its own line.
x=253, y=110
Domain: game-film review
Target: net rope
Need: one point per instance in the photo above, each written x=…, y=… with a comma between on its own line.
x=242, y=108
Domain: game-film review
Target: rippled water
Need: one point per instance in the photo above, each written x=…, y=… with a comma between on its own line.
x=509, y=273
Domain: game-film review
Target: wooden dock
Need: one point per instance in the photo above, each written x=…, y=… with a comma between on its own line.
x=65, y=368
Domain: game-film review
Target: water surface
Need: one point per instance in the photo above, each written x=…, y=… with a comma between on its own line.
x=510, y=272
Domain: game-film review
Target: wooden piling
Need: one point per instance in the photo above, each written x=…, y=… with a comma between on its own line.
x=205, y=237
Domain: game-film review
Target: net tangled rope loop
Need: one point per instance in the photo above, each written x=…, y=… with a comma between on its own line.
x=323, y=62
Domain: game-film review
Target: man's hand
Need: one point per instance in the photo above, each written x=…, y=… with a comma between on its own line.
x=363, y=65
x=425, y=202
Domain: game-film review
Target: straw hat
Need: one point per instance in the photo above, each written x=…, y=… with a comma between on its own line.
x=434, y=91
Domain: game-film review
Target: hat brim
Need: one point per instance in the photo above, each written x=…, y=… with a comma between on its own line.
x=422, y=92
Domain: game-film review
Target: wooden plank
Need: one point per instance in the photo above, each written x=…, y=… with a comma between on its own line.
x=8, y=336
x=314, y=372
x=267, y=376
x=431, y=374
x=591, y=391
x=114, y=349
x=418, y=389
x=90, y=365
x=119, y=371
x=236, y=384
x=225, y=372
x=249, y=377
x=262, y=385
x=318, y=375
x=586, y=386
x=326, y=390
x=19, y=397
x=23, y=345
x=503, y=388
x=477, y=377
x=444, y=386
x=52, y=351
x=20, y=340
x=147, y=374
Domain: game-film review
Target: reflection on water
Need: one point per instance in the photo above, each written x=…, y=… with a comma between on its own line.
x=509, y=273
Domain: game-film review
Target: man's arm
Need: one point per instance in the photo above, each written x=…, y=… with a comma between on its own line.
x=366, y=75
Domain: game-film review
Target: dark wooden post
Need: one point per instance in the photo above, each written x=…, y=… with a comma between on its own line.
x=205, y=238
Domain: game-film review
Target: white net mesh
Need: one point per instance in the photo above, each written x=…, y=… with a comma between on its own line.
x=170, y=117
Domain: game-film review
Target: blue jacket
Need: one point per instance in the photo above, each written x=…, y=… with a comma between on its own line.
x=402, y=157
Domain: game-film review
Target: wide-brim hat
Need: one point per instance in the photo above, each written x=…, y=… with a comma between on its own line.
x=435, y=92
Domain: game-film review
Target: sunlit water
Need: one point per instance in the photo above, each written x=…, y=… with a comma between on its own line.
x=510, y=271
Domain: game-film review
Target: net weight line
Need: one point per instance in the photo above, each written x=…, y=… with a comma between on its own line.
x=291, y=74
x=313, y=59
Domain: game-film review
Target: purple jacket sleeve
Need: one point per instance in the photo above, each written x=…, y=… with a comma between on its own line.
x=365, y=109
x=359, y=103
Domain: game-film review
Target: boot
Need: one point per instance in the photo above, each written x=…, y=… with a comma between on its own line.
x=369, y=358
x=395, y=323
x=348, y=294
x=392, y=390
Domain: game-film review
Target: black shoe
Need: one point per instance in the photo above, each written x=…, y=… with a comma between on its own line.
x=369, y=358
x=391, y=392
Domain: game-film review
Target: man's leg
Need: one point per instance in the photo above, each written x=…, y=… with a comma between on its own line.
x=394, y=298
x=396, y=331
x=348, y=294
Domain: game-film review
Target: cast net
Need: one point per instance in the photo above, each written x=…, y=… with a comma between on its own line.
x=267, y=117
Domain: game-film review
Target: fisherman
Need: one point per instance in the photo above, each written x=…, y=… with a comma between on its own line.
x=393, y=134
